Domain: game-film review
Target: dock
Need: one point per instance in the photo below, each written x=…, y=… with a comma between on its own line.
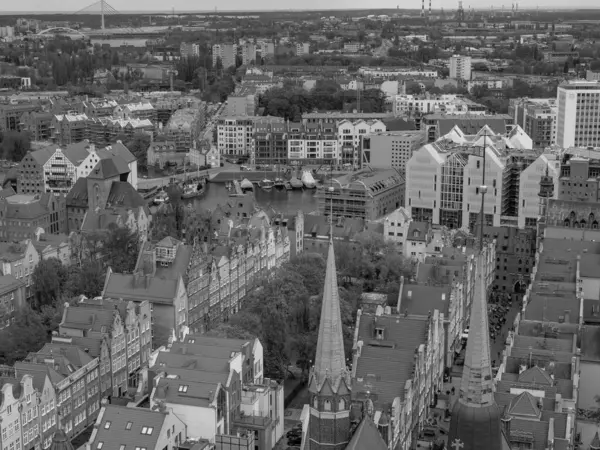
x=252, y=176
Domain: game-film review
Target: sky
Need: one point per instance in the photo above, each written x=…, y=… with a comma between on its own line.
x=245, y=5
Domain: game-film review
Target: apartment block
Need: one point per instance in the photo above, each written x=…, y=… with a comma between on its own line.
x=69, y=128
x=351, y=135
x=235, y=136
x=537, y=117
x=226, y=53
x=248, y=54
x=313, y=144
x=270, y=142
x=579, y=179
x=189, y=50
x=578, y=114
x=302, y=48
x=391, y=148
x=37, y=124
x=10, y=115
x=460, y=67
x=243, y=102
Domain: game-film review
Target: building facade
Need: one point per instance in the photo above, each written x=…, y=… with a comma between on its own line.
x=235, y=136
x=537, y=117
x=226, y=53
x=392, y=148
x=576, y=117
x=460, y=67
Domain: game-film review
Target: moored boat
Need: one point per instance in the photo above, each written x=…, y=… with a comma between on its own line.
x=161, y=198
x=279, y=183
x=308, y=181
x=192, y=190
x=246, y=185
x=296, y=183
x=266, y=184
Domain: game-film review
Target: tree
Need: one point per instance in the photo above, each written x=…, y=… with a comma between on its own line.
x=15, y=145
x=138, y=146
x=87, y=279
x=48, y=279
x=121, y=249
x=26, y=334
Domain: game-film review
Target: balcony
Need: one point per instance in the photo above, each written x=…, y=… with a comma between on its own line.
x=257, y=420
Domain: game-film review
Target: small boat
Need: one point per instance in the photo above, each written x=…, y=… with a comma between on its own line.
x=308, y=181
x=246, y=185
x=266, y=184
x=161, y=198
x=296, y=183
x=192, y=190
x=288, y=186
x=279, y=183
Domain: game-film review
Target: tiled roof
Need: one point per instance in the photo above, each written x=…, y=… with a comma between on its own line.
x=33, y=368
x=527, y=428
x=404, y=333
x=78, y=195
x=536, y=375
x=193, y=362
x=524, y=405
x=119, y=150
x=91, y=319
x=10, y=252
x=344, y=227
x=108, y=168
x=124, y=195
x=43, y=155
x=29, y=210
x=138, y=288
x=186, y=392
x=121, y=425
x=77, y=152
x=9, y=283
x=417, y=231
x=421, y=299
x=366, y=436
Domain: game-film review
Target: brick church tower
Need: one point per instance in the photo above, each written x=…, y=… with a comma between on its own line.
x=546, y=192
x=329, y=382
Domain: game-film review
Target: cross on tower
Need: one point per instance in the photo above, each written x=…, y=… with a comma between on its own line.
x=457, y=444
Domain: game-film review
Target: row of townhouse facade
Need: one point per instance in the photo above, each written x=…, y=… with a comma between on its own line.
x=219, y=280
x=102, y=350
x=274, y=141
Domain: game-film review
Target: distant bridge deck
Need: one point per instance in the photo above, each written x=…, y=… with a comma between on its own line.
x=254, y=177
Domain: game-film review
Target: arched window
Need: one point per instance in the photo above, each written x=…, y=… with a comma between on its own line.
x=595, y=225
x=575, y=224
x=582, y=223
x=341, y=405
x=97, y=194
x=327, y=405
x=567, y=223
x=315, y=402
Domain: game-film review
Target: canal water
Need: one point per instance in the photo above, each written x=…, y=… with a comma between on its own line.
x=287, y=202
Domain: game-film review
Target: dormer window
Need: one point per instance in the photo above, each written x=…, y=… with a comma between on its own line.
x=416, y=233
x=379, y=334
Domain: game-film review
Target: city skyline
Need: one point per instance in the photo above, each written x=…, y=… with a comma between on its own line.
x=188, y=7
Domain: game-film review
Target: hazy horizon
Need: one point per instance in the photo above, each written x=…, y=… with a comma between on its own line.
x=186, y=6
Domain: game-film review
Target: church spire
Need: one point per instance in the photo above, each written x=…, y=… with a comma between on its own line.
x=476, y=383
x=330, y=361
x=476, y=421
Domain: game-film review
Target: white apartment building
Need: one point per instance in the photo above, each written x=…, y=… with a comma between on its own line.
x=578, y=114
x=315, y=149
x=302, y=48
x=460, y=67
x=248, y=54
x=227, y=54
x=351, y=135
x=407, y=104
x=189, y=50
x=529, y=187
x=389, y=72
x=235, y=136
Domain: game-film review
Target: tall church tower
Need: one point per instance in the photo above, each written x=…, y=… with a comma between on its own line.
x=329, y=382
x=546, y=192
x=475, y=422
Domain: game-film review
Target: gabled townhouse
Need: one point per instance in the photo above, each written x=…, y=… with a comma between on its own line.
x=395, y=227
x=118, y=333
x=53, y=246
x=217, y=387
x=120, y=427
x=12, y=298
x=74, y=377
x=350, y=135
x=19, y=260
x=167, y=298
x=27, y=216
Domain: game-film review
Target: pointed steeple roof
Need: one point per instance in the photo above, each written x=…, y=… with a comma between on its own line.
x=595, y=444
x=330, y=361
x=475, y=422
x=476, y=384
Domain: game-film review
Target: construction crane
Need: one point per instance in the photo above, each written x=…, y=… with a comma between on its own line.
x=172, y=74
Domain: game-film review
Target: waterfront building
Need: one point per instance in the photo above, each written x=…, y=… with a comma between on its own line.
x=271, y=142
x=366, y=194
x=576, y=119
x=313, y=144
x=235, y=136
x=351, y=135
x=69, y=128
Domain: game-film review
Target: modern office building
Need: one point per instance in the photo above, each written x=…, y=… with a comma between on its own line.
x=391, y=148
x=537, y=117
x=578, y=114
x=443, y=178
x=460, y=67
x=313, y=144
